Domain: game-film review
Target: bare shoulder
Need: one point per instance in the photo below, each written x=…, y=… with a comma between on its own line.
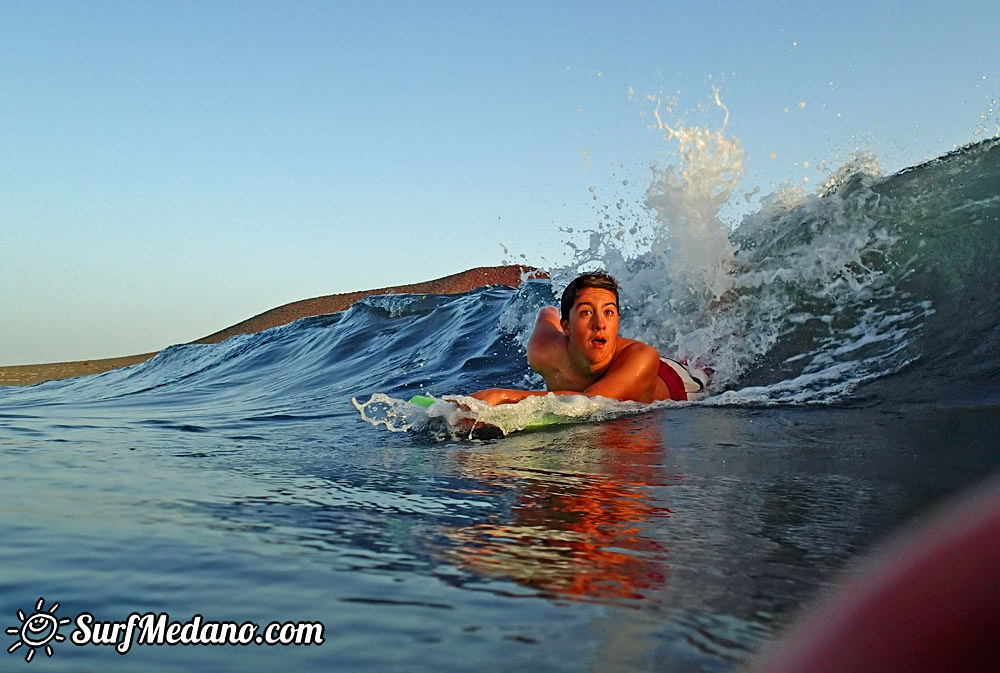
x=548, y=319
x=636, y=354
x=637, y=348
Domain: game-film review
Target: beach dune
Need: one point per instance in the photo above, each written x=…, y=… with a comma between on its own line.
x=465, y=281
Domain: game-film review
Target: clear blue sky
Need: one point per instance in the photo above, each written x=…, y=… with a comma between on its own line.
x=169, y=168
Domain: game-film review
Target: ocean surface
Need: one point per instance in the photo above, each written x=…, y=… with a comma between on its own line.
x=283, y=477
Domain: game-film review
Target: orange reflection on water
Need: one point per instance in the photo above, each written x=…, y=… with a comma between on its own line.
x=579, y=521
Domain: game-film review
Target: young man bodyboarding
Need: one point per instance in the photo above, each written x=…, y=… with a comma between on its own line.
x=577, y=351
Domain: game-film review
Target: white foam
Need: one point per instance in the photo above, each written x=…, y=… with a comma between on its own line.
x=457, y=415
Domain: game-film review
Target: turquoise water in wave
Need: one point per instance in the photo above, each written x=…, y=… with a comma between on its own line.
x=856, y=389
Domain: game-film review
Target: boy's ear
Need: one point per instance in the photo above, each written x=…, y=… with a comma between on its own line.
x=565, y=326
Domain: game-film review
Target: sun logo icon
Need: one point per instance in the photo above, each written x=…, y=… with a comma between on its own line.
x=37, y=630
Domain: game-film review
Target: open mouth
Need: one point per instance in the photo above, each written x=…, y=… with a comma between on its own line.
x=599, y=342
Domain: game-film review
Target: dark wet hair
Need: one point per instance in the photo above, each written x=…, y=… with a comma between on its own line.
x=598, y=279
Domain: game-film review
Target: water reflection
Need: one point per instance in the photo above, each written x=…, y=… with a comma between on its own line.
x=580, y=511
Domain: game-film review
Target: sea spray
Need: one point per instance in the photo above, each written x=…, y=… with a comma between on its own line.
x=688, y=198
x=801, y=294
x=677, y=262
x=989, y=121
x=689, y=265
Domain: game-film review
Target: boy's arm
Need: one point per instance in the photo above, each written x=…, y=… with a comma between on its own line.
x=629, y=378
x=546, y=337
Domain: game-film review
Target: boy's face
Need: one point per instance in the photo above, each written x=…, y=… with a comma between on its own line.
x=592, y=327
